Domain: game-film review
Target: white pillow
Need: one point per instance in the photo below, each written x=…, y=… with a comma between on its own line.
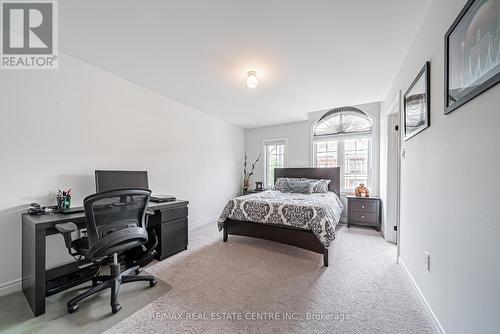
x=299, y=186
x=280, y=182
x=321, y=185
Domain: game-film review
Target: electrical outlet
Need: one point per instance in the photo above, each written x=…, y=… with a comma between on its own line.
x=427, y=260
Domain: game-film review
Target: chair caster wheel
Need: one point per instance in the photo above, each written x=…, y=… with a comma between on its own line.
x=116, y=308
x=153, y=283
x=72, y=308
x=138, y=271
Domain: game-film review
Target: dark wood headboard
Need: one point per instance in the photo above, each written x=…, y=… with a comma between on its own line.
x=332, y=174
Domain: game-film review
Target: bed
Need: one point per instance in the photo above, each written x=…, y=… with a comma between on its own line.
x=307, y=221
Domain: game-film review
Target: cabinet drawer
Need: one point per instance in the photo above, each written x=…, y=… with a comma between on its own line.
x=365, y=217
x=363, y=205
x=174, y=237
x=172, y=214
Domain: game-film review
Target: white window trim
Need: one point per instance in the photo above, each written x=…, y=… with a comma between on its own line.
x=265, y=142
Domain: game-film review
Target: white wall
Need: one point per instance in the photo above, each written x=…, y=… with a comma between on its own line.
x=57, y=127
x=449, y=192
x=298, y=141
x=299, y=147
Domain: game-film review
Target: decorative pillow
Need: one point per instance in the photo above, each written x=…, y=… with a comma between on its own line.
x=298, y=186
x=321, y=185
x=280, y=182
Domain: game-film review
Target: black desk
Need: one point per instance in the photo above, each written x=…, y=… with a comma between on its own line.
x=170, y=222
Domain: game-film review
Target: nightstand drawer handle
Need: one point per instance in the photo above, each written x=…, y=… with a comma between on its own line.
x=363, y=217
x=362, y=206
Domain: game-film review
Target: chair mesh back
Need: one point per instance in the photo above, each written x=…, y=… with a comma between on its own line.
x=116, y=210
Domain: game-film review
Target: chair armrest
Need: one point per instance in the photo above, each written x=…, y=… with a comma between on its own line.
x=66, y=229
x=149, y=212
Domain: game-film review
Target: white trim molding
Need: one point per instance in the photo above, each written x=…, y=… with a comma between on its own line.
x=435, y=321
x=10, y=287
x=395, y=106
x=202, y=222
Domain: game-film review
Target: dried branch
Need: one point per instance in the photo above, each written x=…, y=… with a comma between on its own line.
x=246, y=176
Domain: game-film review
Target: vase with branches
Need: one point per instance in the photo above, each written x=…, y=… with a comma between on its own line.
x=248, y=174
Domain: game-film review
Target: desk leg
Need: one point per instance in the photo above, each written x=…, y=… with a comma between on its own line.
x=33, y=254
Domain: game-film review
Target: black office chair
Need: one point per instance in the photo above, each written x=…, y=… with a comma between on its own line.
x=116, y=222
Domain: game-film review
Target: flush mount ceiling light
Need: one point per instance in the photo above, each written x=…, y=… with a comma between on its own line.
x=252, y=80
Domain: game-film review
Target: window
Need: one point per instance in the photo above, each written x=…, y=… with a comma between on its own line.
x=342, y=138
x=274, y=157
x=326, y=154
x=356, y=162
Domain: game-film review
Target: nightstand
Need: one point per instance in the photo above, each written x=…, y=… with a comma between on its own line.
x=363, y=211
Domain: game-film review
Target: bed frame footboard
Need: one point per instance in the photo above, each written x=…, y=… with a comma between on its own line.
x=283, y=234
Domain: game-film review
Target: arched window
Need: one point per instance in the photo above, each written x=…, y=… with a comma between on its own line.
x=341, y=121
x=342, y=138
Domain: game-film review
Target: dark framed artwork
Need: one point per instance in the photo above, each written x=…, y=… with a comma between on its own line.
x=416, y=103
x=472, y=53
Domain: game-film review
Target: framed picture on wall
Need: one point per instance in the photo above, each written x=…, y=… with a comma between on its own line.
x=416, y=104
x=472, y=53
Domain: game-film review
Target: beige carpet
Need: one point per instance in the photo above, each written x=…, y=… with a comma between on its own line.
x=254, y=286
x=93, y=316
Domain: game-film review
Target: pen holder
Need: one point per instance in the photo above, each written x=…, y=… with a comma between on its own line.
x=63, y=202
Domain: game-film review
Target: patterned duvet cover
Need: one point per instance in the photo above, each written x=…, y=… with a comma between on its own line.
x=318, y=212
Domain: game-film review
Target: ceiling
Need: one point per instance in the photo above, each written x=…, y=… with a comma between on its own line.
x=309, y=55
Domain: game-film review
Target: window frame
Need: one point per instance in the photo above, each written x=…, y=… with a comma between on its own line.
x=265, y=144
x=340, y=149
x=340, y=139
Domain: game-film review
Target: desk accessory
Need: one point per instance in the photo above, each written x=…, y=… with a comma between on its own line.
x=75, y=209
x=35, y=209
x=63, y=199
x=162, y=198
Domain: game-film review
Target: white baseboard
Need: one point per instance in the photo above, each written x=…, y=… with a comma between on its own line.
x=435, y=320
x=10, y=287
x=203, y=222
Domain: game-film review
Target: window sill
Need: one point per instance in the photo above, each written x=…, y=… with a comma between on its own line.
x=347, y=193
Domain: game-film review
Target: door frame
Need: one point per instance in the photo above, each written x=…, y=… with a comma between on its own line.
x=394, y=157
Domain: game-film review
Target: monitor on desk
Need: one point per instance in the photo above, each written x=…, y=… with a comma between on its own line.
x=119, y=179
